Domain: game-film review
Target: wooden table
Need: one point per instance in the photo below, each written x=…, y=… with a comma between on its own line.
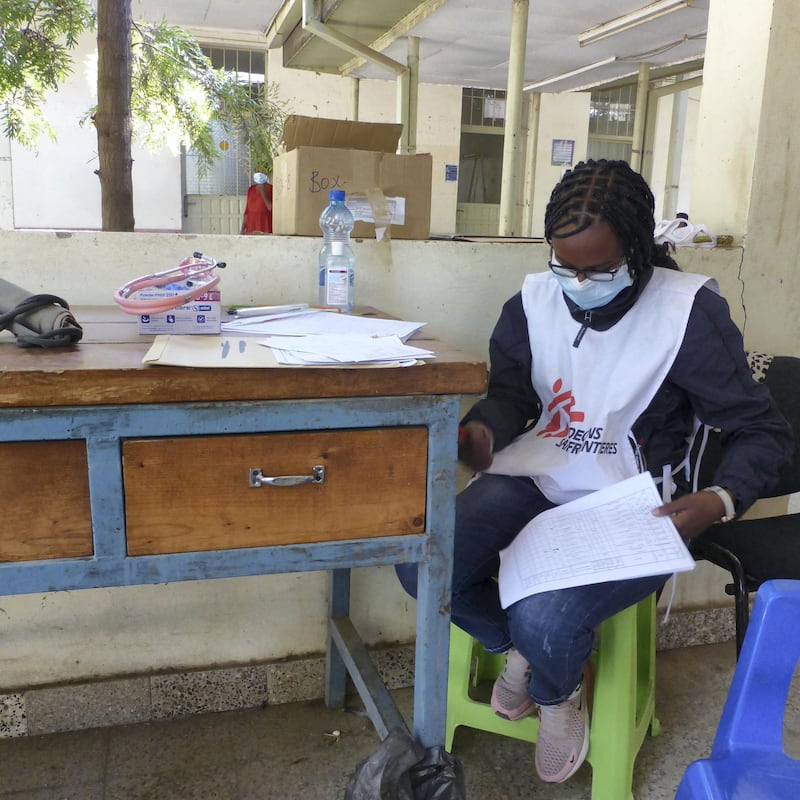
x=116, y=474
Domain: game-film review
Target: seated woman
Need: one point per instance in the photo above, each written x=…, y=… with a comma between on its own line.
x=616, y=349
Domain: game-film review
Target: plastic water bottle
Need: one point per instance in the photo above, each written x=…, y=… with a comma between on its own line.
x=336, y=259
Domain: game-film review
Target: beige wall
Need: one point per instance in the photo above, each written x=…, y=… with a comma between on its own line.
x=562, y=116
x=457, y=287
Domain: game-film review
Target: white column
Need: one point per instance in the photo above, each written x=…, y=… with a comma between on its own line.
x=640, y=116
x=677, y=133
x=509, y=222
x=6, y=187
x=734, y=79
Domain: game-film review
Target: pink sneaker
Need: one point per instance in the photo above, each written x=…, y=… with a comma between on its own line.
x=510, y=698
x=563, y=739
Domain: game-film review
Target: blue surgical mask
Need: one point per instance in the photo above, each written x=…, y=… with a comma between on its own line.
x=588, y=294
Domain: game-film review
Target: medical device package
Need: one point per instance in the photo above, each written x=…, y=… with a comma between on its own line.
x=201, y=315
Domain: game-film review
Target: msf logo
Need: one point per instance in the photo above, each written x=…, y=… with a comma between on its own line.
x=562, y=413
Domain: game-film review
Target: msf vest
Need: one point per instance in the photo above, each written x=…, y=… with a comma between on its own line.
x=592, y=394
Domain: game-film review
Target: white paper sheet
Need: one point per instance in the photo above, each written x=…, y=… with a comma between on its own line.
x=301, y=324
x=607, y=535
x=333, y=348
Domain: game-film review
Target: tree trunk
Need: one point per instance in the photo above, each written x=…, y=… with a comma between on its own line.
x=113, y=119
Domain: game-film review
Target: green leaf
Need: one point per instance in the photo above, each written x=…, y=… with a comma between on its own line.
x=36, y=38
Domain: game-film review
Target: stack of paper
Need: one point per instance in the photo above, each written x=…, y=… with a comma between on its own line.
x=300, y=335
x=315, y=321
x=321, y=349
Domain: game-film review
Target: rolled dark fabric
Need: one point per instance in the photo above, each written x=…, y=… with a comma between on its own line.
x=37, y=320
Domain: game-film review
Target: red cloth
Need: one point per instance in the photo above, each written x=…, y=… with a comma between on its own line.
x=257, y=217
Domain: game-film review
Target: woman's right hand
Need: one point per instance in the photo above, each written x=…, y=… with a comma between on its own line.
x=475, y=444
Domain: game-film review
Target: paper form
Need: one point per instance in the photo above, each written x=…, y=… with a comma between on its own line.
x=336, y=348
x=607, y=535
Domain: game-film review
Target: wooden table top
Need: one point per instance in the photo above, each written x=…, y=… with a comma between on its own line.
x=106, y=367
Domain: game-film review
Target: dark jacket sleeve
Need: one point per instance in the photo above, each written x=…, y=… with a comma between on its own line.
x=511, y=404
x=712, y=380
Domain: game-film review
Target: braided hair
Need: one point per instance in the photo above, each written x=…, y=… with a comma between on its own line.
x=612, y=192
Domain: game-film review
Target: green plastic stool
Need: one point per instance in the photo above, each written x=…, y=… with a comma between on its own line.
x=623, y=706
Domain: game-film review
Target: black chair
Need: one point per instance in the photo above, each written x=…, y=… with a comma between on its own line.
x=755, y=550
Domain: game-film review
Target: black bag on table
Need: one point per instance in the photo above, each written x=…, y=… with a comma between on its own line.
x=37, y=320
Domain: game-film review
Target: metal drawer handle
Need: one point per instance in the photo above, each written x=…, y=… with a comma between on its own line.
x=258, y=479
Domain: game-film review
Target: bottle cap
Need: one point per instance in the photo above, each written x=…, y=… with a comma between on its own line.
x=336, y=194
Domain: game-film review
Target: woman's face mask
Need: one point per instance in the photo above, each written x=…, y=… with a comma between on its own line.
x=587, y=294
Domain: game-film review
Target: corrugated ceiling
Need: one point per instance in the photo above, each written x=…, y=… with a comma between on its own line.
x=461, y=42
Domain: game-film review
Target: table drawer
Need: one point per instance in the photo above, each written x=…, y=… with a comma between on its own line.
x=193, y=493
x=44, y=487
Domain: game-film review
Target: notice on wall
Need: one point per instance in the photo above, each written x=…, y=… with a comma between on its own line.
x=562, y=153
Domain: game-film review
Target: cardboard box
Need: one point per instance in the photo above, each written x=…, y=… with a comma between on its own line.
x=202, y=315
x=359, y=157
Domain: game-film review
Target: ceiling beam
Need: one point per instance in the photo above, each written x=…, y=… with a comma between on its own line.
x=631, y=20
x=399, y=29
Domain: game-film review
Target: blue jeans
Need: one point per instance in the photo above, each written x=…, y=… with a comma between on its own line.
x=554, y=630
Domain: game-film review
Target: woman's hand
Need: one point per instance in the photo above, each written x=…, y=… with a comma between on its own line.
x=475, y=443
x=693, y=513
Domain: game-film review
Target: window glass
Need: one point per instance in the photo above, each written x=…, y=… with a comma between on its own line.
x=483, y=108
x=611, y=118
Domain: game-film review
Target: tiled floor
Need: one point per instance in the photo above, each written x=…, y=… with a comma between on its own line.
x=302, y=751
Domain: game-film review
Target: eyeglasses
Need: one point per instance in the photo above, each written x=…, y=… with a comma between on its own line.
x=600, y=275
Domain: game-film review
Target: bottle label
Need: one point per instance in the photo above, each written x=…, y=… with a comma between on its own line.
x=336, y=286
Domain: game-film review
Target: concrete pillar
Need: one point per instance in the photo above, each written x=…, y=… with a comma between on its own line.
x=413, y=93
x=509, y=218
x=734, y=73
x=6, y=187
x=747, y=168
x=640, y=115
x=534, y=106
x=402, y=83
x=677, y=133
x=356, y=98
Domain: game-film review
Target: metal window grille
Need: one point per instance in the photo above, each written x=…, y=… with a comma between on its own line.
x=611, y=116
x=483, y=108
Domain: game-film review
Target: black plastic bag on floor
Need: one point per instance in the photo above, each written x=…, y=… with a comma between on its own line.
x=401, y=769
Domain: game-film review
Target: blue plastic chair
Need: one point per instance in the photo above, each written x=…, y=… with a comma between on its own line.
x=747, y=760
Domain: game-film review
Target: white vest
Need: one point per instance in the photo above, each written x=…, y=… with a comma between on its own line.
x=592, y=394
